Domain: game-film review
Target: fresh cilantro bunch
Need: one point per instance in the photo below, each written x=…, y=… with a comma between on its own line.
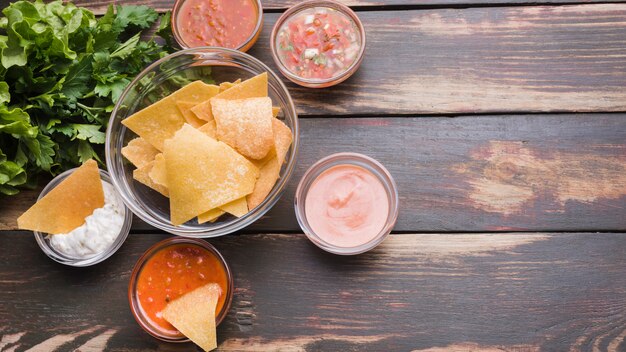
x=62, y=70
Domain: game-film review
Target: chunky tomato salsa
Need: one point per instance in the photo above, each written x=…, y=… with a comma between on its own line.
x=225, y=23
x=318, y=43
x=174, y=271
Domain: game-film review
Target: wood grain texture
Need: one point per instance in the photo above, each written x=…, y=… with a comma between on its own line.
x=100, y=6
x=488, y=173
x=479, y=60
x=421, y=292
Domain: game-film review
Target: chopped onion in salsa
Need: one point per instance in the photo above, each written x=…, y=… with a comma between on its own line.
x=318, y=43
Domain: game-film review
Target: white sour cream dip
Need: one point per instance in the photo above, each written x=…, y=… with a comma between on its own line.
x=98, y=232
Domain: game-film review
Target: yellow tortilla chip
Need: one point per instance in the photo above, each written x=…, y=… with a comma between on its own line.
x=237, y=208
x=255, y=87
x=159, y=121
x=265, y=183
x=210, y=129
x=228, y=85
x=142, y=175
x=139, y=152
x=67, y=205
x=210, y=216
x=245, y=124
x=193, y=314
x=203, y=174
x=275, y=111
x=185, y=108
x=270, y=170
x=282, y=139
x=157, y=173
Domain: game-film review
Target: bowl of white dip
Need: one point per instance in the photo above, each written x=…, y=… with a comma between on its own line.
x=98, y=238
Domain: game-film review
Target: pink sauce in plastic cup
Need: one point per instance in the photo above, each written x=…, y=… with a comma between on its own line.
x=347, y=203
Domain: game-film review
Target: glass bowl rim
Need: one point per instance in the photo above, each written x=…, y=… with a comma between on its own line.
x=245, y=44
x=58, y=257
x=143, y=259
x=232, y=225
x=308, y=82
x=347, y=158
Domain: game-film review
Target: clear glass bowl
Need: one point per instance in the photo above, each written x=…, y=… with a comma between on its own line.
x=247, y=44
x=369, y=164
x=44, y=242
x=156, y=82
x=133, y=300
x=311, y=82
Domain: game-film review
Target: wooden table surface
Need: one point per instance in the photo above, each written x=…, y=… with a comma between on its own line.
x=504, y=125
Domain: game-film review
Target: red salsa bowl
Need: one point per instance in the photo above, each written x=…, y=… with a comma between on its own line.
x=318, y=43
x=170, y=269
x=218, y=23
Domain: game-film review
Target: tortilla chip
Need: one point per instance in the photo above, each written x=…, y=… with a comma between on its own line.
x=157, y=173
x=275, y=111
x=185, y=108
x=139, y=152
x=245, y=124
x=282, y=139
x=142, y=175
x=210, y=129
x=160, y=121
x=203, y=174
x=237, y=208
x=193, y=314
x=67, y=205
x=265, y=183
x=255, y=87
x=228, y=85
x=210, y=216
x=203, y=111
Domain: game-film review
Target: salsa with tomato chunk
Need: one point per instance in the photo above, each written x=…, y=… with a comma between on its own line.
x=174, y=271
x=225, y=23
x=318, y=43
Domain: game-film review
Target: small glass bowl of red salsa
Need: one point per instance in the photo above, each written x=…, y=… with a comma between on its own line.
x=318, y=43
x=170, y=269
x=232, y=24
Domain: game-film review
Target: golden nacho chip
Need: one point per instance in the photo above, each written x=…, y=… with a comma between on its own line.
x=270, y=169
x=255, y=87
x=228, y=85
x=203, y=111
x=193, y=314
x=275, y=111
x=245, y=124
x=67, y=205
x=265, y=183
x=159, y=121
x=157, y=173
x=139, y=152
x=237, y=208
x=210, y=216
x=210, y=129
x=203, y=174
x=282, y=139
x=185, y=109
x=142, y=175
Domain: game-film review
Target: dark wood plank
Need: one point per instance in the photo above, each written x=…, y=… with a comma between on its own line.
x=99, y=6
x=429, y=292
x=480, y=60
x=489, y=173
